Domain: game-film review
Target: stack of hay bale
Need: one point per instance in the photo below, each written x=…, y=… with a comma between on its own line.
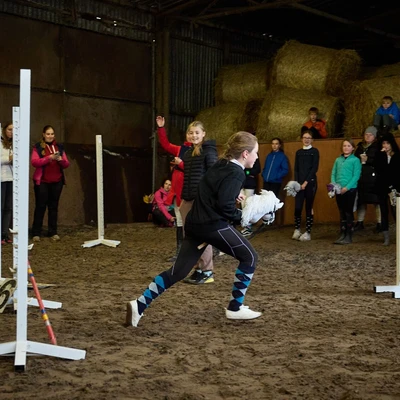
x=306, y=76
x=364, y=96
x=272, y=98
x=239, y=93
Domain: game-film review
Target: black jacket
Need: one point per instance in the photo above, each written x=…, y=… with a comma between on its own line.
x=215, y=203
x=196, y=166
x=367, y=181
x=387, y=175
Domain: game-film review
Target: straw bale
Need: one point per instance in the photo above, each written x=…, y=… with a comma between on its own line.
x=285, y=110
x=221, y=121
x=303, y=66
x=242, y=83
x=363, y=99
x=383, y=71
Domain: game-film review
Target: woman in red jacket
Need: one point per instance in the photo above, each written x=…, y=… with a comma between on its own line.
x=50, y=160
x=175, y=193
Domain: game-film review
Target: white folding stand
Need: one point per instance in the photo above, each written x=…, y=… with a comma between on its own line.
x=17, y=162
x=100, y=201
x=22, y=347
x=396, y=288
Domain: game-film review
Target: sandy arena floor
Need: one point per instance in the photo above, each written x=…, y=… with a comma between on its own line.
x=324, y=334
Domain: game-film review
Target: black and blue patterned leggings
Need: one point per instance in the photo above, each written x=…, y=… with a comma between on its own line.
x=227, y=240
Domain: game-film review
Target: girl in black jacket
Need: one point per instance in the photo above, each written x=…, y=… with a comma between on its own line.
x=387, y=167
x=209, y=221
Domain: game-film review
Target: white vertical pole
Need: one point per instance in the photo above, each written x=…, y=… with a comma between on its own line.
x=100, y=186
x=21, y=153
x=397, y=240
x=100, y=201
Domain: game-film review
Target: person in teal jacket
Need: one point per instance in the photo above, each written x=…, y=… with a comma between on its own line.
x=346, y=172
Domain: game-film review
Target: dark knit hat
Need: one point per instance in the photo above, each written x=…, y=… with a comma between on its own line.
x=372, y=130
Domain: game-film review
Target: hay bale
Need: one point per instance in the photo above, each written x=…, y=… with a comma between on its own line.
x=383, y=71
x=242, y=83
x=285, y=110
x=303, y=66
x=223, y=120
x=363, y=99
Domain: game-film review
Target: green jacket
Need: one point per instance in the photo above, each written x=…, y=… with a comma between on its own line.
x=346, y=171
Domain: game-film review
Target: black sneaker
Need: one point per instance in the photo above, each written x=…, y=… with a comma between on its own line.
x=201, y=278
x=193, y=278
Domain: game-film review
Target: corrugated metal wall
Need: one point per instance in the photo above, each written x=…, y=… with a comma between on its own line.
x=114, y=20
x=196, y=55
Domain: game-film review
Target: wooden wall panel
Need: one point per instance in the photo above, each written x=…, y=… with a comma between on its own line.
x=107, y=66
x=28, y=44
x=119, y=123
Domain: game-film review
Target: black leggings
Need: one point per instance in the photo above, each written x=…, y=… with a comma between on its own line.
x=345, y=203
x=228, y=240
x=307, y=195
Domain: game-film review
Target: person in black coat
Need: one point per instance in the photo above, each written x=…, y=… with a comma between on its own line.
x=366, y=151
x=387, y=167
x=211, y=220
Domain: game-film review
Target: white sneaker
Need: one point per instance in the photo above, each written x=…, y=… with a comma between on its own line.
x=305, y=237
x=36, y=238
x=132, y=313
x=296, y=234
x=243, y=313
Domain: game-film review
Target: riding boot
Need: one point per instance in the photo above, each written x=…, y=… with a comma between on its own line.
x=349, y=234
x=342, y=233
x=386, y=238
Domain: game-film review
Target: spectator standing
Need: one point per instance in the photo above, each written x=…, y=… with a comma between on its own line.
x=305, y=173
x=387, y=167
x=366, y=150
x=175, y=193
x=276, y=167
x=346, y=172
x=50, y=160
x=6, y=181
x=197, y=160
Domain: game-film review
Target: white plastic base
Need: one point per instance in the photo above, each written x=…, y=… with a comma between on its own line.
x=24, y=348
x=107, y=242
x=395, y=289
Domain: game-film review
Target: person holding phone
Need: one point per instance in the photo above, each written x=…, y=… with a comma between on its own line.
x=50, y=160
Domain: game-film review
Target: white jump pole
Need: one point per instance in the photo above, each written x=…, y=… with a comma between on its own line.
x=396, y=288
x=22, y=347
x=100, y=201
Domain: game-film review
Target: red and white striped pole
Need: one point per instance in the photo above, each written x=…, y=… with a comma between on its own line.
x=41, y=305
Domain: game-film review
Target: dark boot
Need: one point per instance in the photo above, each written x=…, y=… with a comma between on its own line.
x=179, y=239
x=378, y=228
x=386, y=240
x=359, y=226
x=342, y=234
x=348, y=238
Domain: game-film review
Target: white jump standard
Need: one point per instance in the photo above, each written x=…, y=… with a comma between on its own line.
x=395, y=288
x=100, y=201
x=22, y=347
